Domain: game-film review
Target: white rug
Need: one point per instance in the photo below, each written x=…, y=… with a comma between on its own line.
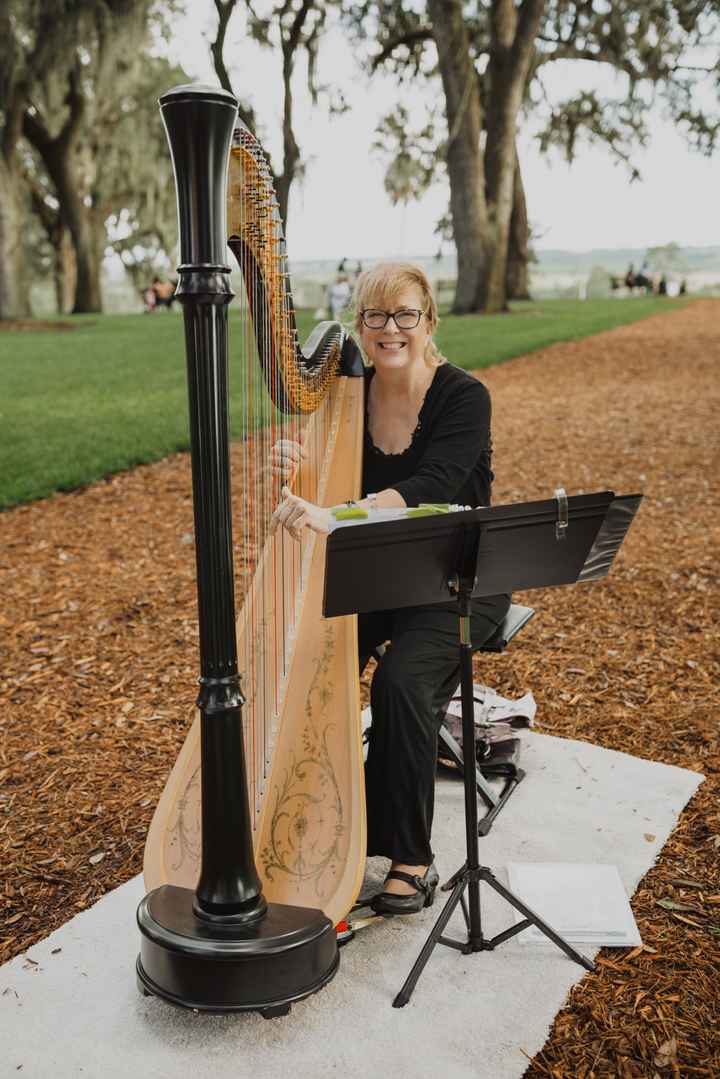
x=77, y=1012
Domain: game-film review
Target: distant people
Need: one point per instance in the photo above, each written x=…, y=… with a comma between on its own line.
x=159, y=294
x=683, y=288
x=643, y=280
x=339, y=295
x=663, y=286
x=630, y=277
x=165, y=292
x=352, y=268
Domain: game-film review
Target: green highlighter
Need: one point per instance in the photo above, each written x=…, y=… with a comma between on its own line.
x=351, y=512
x=429, y=509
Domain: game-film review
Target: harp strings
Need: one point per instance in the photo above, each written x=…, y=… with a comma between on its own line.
x=272, y=569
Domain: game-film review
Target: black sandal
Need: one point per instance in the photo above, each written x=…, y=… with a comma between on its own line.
x=389, y=903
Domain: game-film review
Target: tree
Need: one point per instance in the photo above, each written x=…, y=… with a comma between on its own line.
x=64, y=121
x=667, y=258
x=655, y=47
x=487, y=199
x=133, y=192
x=48, y=244
x=506, y=46
x=512, y=43
x=296, y=27
x=23, y=50
x=469, y=210
x=79, y=87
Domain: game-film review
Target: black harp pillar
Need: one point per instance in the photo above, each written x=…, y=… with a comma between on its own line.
x=229, y=883
x=221, y=948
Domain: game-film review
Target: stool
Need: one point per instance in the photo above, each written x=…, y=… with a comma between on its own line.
x=516, y=618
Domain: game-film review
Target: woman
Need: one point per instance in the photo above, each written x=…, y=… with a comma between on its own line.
x=427, y=439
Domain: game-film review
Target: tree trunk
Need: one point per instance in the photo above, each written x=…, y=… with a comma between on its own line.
x=77, y=218
x=88, y=297
x=14, y=291
x=291, y=150
x=513, y=37
x=65, y=272
x=517, y=278
x=468, y=208
x=58, y=153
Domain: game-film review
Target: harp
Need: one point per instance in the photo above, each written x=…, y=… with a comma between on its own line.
x=300, y=709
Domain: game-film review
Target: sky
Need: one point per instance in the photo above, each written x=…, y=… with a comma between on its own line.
x=341, y=208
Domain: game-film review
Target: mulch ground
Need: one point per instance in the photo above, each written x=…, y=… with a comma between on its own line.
x=99, y=661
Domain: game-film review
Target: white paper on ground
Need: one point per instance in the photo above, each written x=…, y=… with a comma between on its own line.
x=586, y=904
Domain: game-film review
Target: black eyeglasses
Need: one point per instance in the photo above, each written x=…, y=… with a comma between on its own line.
x=407, y=318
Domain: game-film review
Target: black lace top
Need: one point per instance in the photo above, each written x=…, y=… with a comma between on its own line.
x=448, y=459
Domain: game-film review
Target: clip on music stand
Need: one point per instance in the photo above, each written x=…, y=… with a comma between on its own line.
x=413, y=562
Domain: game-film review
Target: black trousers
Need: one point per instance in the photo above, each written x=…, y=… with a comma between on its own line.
x=413, y=681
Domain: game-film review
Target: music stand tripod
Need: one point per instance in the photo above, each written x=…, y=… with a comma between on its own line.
x=470, y=875
x=383, y=565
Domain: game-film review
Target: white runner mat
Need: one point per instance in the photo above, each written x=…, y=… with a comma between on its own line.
x=75, y=1010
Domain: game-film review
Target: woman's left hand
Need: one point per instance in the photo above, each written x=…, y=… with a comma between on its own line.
x=295, y=513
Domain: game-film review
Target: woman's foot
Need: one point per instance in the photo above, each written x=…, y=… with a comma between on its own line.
x=393, y=886
x=418, y=892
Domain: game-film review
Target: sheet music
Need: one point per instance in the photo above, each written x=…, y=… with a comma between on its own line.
x=583, y=903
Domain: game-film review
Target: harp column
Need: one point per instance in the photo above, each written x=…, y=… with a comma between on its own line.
x=199, y=125
x=221, y=948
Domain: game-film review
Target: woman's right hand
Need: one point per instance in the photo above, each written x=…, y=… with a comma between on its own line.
x=286, y=457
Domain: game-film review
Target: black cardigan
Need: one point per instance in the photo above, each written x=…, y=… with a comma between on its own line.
x=448, y=459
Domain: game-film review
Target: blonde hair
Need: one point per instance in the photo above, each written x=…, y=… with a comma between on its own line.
x=381, y=286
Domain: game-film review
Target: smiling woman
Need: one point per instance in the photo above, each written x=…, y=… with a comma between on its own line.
x=426, y=439
x=399, y=346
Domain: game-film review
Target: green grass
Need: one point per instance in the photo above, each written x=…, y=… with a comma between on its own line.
x=80, y=404
x=473, y=342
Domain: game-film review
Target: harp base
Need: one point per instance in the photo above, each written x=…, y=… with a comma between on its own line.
x=265, y=967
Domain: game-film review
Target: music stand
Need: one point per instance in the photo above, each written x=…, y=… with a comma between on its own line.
x=412, y=562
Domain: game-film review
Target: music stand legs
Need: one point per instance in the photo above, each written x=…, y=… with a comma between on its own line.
x=476, y=942
x=472, y=873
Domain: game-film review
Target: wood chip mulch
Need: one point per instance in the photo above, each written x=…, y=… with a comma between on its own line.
x=99, y=662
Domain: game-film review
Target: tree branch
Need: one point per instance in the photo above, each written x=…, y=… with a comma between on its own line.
x=691, y=67
x=603, y=56
x=296, y=27
x=14, y=118
x=528, y=21
x=49, y=217
x=412, y=37
x=36, y=132
x=75, y=100
x=224, y=9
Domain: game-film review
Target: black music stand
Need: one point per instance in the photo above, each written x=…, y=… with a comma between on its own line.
x=406, y=563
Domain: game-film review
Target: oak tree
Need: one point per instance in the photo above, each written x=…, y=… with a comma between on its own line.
x=491, y=58
x=294, y=28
